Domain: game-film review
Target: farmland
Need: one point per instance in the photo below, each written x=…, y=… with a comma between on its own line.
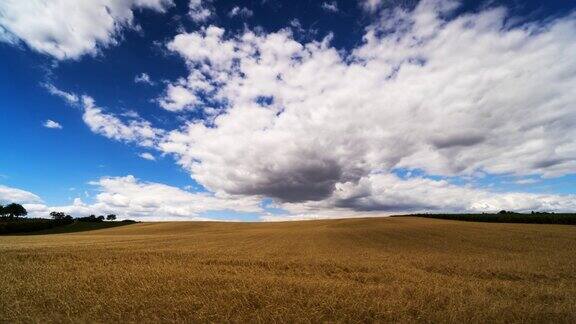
x=401, y=269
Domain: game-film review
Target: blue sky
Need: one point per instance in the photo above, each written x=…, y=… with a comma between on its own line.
x=273, y=110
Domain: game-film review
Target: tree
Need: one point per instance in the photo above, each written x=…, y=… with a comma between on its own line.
x=100, y=218
x=14, y=210
x=2, y=213
x=60, y=216
x=57, y=215
x=111, y=217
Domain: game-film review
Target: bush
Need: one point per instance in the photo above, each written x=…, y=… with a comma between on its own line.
x=60, y=215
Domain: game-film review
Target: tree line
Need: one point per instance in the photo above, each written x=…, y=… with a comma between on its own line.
x=14, y=211
x=12, y=220
x=92, y=218
x=510, y=217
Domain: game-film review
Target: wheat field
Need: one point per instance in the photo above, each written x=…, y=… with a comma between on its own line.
x=399, y=269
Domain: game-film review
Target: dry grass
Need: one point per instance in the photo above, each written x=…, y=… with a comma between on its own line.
x=394, y=269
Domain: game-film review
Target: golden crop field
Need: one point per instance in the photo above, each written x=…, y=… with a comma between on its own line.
x=400, y=269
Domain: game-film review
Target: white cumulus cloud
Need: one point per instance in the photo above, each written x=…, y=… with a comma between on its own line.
x=321, y=131
x=130, y=198
x=68, y=29
x=458, y=97
x=178, y=98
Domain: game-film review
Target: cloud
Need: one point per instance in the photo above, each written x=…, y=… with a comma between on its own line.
x=178, y=98
x=134, y=131
x=52, y=124
x=131, y=198
x=7, y=37
x=321, y=131
x=330, y=6
x=200, y=10
x=143, y=78
x=240, y=12
x=68, y=29
x=375, y=195
x=147, y=156
x=206, y=46
x=148, y=198
x=451, y=97
x=371, y=6
x=13, y=195
x=130, y=129
x=68, y=97
x=213, y=55
x=383, y=193
x=526, y=181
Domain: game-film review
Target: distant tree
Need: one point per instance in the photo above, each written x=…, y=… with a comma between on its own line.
x=60, y=216
x=111, y=217
x=507, y=212
x=57, y=215
x=2, y=211
x=100, y=218
x=14, y=210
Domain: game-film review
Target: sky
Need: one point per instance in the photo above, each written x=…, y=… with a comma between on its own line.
x=269, y=110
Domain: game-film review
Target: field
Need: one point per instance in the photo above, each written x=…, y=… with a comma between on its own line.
x=404, y=269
